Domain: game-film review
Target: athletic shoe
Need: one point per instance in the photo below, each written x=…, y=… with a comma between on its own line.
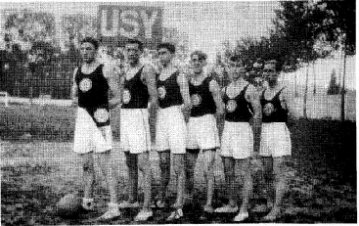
x=127, y=205
x=226, y=209
x=88, y=204
x=241, y=217
x=111, y=213
x=208, y=209
x=158, y=204
x=144, y=215
x=175, y=215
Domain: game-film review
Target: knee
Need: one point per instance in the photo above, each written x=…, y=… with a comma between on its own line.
x=164, y=165
x=144, y=164
x=228, y=167
x=178, y=164
x=88, y=167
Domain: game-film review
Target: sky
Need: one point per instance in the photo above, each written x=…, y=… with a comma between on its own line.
x=207, y=24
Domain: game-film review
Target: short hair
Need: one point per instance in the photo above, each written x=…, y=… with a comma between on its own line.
x=166, y=45
x=91, y=40
x=235, y=58
x=201, y=55
x=276, y=63
x=135, y=41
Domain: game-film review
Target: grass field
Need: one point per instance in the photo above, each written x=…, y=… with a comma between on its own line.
x=37, y=170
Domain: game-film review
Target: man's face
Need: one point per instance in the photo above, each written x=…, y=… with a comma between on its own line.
x=236, y=70
x=270, y=73
x=197, y=64
x=88, y=52
x=132, y=52
x=165, y=56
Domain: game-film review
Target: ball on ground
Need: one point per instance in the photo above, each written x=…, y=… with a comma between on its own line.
x=69, y=206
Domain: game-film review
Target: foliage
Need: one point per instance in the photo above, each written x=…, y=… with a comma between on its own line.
x=334, y=87
x=28, y=26
x=179, y=39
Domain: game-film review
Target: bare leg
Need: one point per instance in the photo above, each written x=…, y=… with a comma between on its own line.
x=209, y=177
x=145, y=167
x=280, y=176
x=131, y=162
x=268, y=179
x=191, y=159
x=107, y=168
x=228, y=163
x=88, y=174
x=242, y=168
x=178, y=167
x=165, y=167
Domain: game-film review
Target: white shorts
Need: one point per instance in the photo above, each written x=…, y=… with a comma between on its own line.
x=275, y=140
x=135, y=130
x=237, y=140
x=171, y=131
x=202, y=132
x=88, y=137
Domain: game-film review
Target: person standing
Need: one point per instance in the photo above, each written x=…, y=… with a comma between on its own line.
x=93, y=82
x=202, y=126
x=139, y=99
x=171, y=131
x=275, y=145
x=240, y=141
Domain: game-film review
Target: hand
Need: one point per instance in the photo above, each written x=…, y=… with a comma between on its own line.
x=74, y=103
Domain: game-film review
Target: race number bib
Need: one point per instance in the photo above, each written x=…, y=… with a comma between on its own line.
x=161, y=92
x=196, y=100
x=126, y=96
x=85, y=85
x=231, y=106
x=101, y=115
x=268, y=109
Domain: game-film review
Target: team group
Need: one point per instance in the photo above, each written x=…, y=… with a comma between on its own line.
x=186, y=106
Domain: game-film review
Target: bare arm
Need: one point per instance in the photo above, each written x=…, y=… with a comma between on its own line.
x=287, y=102
x=184, y=88
x=74, y=94
x=149, y=75
x=252, y=97
x=113, y=82
x=217, y=97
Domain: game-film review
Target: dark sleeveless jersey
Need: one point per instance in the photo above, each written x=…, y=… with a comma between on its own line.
x=237, y=108
x=272, y=109
x=93, y=95
x=169, y=93
x=135, y=93
x=202, y=99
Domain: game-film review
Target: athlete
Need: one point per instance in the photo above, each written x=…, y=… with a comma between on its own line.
x=139, y=99
x=93, y=84
x=240, y=141
x=202, y=126
x=275, y=145
x=171, y=131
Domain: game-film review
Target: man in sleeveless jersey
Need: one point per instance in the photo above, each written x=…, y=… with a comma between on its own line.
x=93, y=83
x=171, y=131
x=240, y=141
x=139, y=98
x=202, y=126
x=275, y=145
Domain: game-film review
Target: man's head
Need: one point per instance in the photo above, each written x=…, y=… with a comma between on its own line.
x=198, y=61
x=133, y=50
x=88, y=49
x=236, y=68
x=166, y=52
x=271, y=72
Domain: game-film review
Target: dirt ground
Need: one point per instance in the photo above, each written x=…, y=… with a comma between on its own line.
x=35, y=174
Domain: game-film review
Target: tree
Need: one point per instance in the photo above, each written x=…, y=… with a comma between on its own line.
x=179, y=39
x=333, y=88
